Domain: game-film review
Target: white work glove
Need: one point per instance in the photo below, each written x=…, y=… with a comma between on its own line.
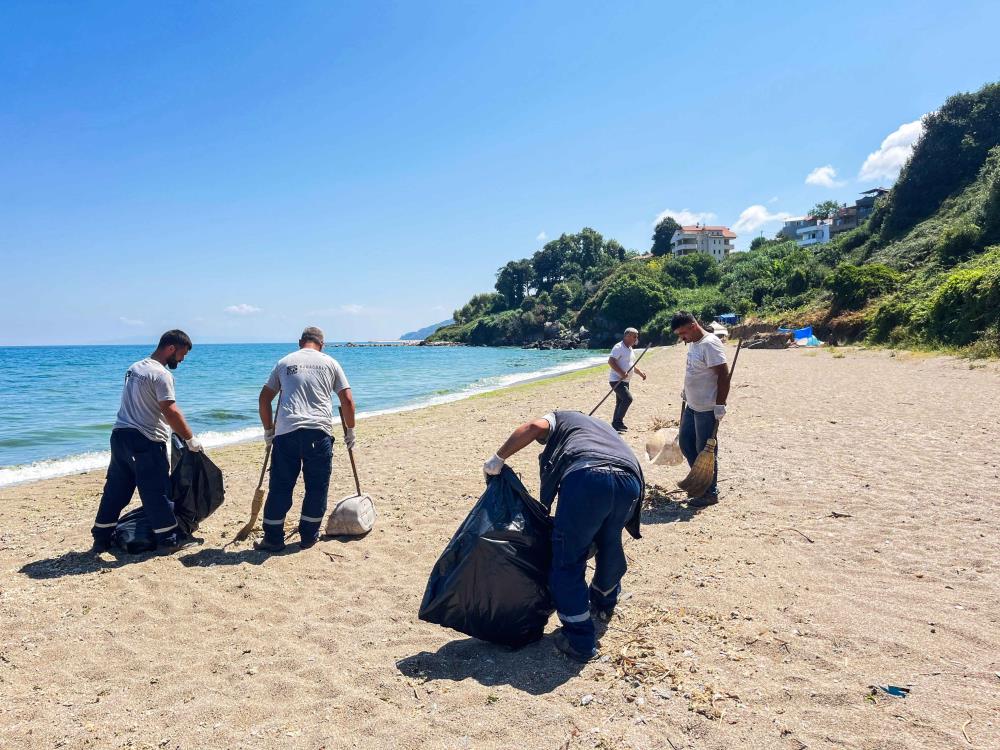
x=268, y=436
x=720, y=412
x=193, y=444
x=493, y=466
x=349, y=438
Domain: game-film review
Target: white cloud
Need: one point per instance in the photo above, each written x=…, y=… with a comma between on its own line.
x=131, y=321
x=242, y=309
x=541, y=237
x=685, y=217
x=893, y=153
x=773, y=199
x=824, y=177
x=754, y=217
x=352, y=309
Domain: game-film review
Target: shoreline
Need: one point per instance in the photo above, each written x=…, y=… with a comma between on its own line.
x=84, y=463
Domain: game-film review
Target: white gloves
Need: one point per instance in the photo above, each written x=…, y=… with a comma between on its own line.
x=268, y=436
x=493, y=466
x=193, y=444
x=720, y=412
x=349, y=438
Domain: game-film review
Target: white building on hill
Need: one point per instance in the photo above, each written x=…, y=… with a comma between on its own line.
x=714, y=241
x=815, y=235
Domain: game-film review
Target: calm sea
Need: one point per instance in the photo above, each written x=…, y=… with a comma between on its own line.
x=58, y=404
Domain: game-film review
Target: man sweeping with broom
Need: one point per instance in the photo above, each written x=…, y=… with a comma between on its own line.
x=706, y=388
x=301, y=436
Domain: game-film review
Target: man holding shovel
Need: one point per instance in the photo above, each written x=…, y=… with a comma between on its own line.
x=706, y=388
x=301, y=436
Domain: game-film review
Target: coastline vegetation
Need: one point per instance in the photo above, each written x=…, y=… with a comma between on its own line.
x=922, y=272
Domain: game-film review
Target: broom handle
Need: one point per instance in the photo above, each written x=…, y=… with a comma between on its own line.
x=350, y=453
x=267, y=451
x=618, y=382
x=732, y=369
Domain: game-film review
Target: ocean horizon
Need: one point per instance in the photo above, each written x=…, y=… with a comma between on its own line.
x=60, y=402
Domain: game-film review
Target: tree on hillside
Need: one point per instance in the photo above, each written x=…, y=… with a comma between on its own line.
x=480, y=304
x=514, y=280
x=689, y=271
x=662, y=235
x=824, y=209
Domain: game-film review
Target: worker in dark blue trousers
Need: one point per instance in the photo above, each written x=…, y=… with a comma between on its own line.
x=600, y=486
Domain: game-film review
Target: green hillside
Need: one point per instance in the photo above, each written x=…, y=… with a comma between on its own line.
x=924, y=270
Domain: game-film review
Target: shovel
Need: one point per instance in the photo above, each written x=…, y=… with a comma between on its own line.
x=258, y=495
x=355, y=514
x=699, y=479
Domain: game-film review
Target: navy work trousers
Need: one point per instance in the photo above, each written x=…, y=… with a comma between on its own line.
x=594, y=505
x=136, y=463
x=696, y=429
x=623, y=400
x=311, y=453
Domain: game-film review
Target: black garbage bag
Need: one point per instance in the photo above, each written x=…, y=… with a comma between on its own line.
x=491, y=581
x=196, y=491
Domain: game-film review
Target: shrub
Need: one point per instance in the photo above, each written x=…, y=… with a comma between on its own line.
x=853, y=286
x=957, y=242
x=966, y=304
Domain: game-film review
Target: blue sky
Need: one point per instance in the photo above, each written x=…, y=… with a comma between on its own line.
x=242, y=169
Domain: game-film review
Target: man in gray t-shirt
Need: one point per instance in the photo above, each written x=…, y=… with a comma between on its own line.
x=301, y=436
x=139, y=439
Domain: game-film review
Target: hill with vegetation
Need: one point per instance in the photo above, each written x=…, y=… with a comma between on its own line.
x=424, y=332
x=923, y=270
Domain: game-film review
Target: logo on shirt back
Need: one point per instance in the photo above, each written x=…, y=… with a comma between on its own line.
x=291, y=369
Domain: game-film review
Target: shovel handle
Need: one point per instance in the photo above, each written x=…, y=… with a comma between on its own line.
x=350, y=453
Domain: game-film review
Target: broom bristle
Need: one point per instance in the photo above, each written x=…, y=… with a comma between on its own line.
x=699, y=479
x=246, y=531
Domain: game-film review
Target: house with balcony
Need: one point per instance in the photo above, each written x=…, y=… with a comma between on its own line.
x=791, y=227
x=816, y=234
x=714, y=241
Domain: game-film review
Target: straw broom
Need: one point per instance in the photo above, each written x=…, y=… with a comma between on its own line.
x=699, y=479
x=258, y=495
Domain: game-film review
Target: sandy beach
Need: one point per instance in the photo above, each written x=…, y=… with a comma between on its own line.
x=856, y=544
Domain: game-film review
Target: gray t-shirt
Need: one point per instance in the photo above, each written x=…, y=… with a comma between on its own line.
x=147, y=383
x=701, y=385
x=624, y=357
x=307, y=380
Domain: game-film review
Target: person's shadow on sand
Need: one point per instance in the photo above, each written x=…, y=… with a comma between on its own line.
x=536, y=669
x=208, y=557
x=79, y=563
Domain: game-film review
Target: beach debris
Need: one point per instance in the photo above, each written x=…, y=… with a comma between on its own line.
x=896, y=691
x=837, y=514
x=797, y=532
x=964, y=733
x=587, y=699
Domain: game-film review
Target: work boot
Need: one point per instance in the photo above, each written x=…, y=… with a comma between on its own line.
x=99, y=546
x=562, y=643
x=175, y=543
x=265, y=546
x=604, y=615
x=704, y=501
x=306, y=543
x=620, y=428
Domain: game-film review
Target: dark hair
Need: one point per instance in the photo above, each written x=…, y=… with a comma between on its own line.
x=175, y=337
x=681, y=318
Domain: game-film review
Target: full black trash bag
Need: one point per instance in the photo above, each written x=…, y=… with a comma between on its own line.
x=491, y=581
x=196, y=491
